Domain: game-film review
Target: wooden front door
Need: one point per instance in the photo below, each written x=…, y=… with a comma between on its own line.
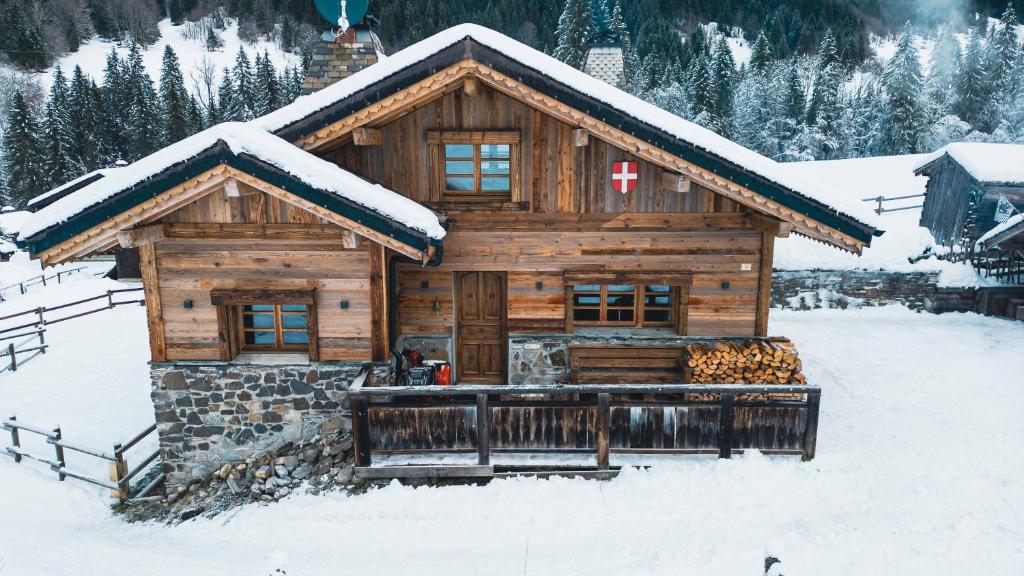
x=480, y=340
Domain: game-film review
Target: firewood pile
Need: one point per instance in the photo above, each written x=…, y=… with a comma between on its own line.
x=772, y=361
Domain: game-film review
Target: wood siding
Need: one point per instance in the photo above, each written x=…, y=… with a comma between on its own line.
x=268, y=245
x=948, y=212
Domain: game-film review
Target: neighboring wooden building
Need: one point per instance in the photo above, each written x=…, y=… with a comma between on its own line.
x=467, y=196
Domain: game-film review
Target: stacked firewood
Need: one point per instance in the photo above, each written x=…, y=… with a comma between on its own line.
x=772, y=361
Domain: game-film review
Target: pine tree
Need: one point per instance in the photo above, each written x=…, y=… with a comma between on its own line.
x=903, y=86
x=601, y=20
x=1003, y=50
x=268, y=92
x=701, y=91
x=85, y=128
x=942, y=74
x=60, y=163
x=575, y=27
x=23, y=158
x=723, y=69
x=174, y=113
x=761, y=54
x=824, y=109
x=227, y=100
x=213, y=41
x=618, y=25
x=141, y=107
x=828, y=51
x=971, y=89
x=114, y=102
x=244, y=91
x=795, y=102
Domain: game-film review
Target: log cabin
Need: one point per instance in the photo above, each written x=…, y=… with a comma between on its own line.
x=552, y=238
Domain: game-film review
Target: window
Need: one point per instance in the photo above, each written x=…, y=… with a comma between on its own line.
x=266, y=321
x=475, y=166
x=274, y=327
x=627, y=299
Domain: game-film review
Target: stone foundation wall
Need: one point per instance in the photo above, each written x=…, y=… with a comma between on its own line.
x=810, y=289
x=213, y=413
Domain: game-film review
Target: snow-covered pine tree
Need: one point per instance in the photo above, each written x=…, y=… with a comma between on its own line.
x=228, y=103
x=618, y=25
x=85, y=128
x=903, y=81
x=942, y=71
x=114, y=105
x=141, y=107
x=213, y=41
x=196, y=120
x=828, y=50
x=723, y=69
x=971, y=87
x=701, y=92
x=268, y=92
x=575, y=27
x=242, y=81
x=60, y=162
x=761, y=54
x=824, y=109
x=23, y=159
x=174, y=113
x=1003, y=50
x=601, y=19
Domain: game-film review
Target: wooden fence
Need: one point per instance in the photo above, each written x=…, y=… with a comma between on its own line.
x=39, y=322
x=121, y=476
x=598, y=419
x=27, y=283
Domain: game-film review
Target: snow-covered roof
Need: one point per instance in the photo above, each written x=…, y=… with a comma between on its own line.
x=697, y=136
x=1012, y=223
x=243, y=138
x=11, y=222
x=42, y=199
x=859, y=178
x=986, y=162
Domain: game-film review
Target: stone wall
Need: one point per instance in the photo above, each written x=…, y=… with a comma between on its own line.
x=213, y=413
x=337, y=59
x=810, y=289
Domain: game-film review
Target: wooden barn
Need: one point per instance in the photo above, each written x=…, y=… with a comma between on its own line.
x=594, y=271
x=972, y=188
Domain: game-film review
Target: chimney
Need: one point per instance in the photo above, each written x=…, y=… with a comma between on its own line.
x=604, y=59
x=338, y=57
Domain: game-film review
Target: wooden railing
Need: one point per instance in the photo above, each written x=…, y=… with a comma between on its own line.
x=120, y=475
x=598, y=419
x=33, y=345
x=27, y=283
x=881, y=200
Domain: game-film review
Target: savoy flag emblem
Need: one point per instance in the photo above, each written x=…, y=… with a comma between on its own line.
x=1004, y=209
x=624, y=176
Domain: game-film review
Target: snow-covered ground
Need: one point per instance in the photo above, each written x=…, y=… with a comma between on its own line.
x=918, y=472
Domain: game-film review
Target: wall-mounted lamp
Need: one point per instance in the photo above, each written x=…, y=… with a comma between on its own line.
x=344, y=304
x=436, y=306
x=539, y=285
x=187, y=304
x=725, y=285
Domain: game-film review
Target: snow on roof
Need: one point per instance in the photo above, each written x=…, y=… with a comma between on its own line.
x=1011, y=222
x=626, y=103
x=11, y=222
x=859, y=178
x=247, y=139
x=56, y=191
x=987, y=162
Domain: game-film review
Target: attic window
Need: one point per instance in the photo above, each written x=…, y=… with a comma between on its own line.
x=474, y=166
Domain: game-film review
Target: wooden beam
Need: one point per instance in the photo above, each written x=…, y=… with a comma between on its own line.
x=379, y=343
x=764, y=283
x=135, y=237
x=234, y=231
x=440, y=471
x=154, y=308
x=784, y=230
x=233, y=189
x=580, y=137
x=674, y=182
x=471, y=86
x=350, y=240
x=367, y=137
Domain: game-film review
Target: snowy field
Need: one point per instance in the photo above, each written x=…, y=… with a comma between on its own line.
x=918, y=472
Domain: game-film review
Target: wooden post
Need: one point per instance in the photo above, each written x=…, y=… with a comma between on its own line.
x=59, y=450
x=811, y=429
x=361, y=431
x=379, y=341
x=603, y=419
x=42, y=341
x=118, y=470
x=483, y=430
x=110, y=299
x=40, y=310
x=14, y=359
x=15, y=438
x=725, y=426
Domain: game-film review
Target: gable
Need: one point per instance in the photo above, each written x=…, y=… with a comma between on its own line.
x=409, y=79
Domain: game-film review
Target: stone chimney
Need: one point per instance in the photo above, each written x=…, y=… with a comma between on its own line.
x=339, y=57
x=604, y=59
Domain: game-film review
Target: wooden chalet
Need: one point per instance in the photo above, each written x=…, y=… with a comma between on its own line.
x=488, y=206
x=972, y=188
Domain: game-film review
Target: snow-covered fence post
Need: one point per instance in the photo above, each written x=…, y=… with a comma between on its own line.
x=119, y=473
x=40, y=311
x=15, y=438
x=483, y=430
x=14, y=359
x=59, y=452
x=725, y=425
x=110, y=299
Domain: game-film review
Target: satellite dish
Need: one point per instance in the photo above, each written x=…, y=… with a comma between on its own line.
x=330, y=10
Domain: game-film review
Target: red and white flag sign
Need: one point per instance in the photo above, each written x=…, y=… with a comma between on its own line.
x=624, y=176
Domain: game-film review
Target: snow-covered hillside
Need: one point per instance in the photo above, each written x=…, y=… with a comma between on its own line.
x=192, y=52
x=910, y=478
